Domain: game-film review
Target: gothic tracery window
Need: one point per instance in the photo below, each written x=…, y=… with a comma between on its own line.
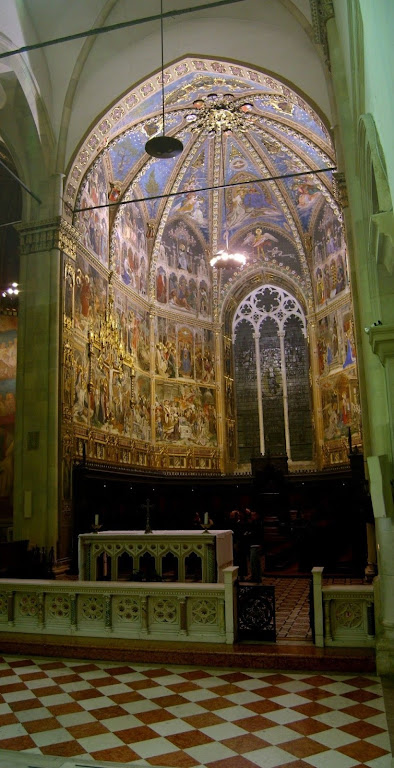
x=272, y=376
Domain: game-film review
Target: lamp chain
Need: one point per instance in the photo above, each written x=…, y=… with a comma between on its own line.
x=162, y=63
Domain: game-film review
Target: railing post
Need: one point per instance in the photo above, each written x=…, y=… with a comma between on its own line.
x=317, y=576
x=230, y=575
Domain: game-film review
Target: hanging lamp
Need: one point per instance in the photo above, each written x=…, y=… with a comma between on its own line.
x=163, y=146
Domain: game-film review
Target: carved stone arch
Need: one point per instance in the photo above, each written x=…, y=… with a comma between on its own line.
x=242, y=285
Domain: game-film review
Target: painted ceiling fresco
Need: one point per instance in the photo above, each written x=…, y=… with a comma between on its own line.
x=273, y=133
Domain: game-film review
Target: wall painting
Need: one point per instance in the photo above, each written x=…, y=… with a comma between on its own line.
x=185, y=414
x=8, y=353
x=93, y=224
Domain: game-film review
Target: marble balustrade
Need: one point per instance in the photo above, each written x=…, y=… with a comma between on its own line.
x=344, y=614
x=158, y=611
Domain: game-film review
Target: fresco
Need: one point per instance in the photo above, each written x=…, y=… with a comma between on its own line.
x=341, y=406
x=305, y=195
x=142, y=409
x=329, y=252
x=250, y=202
x=185, y=414
x=81, y=379
x=182, y=278
x=335, y=340
x=348, y=343
x=90, y=296
x=130, y=260
x=268, y=244
x=93, y=225
x=184, y=352
x=194, y=205
x=8, y=353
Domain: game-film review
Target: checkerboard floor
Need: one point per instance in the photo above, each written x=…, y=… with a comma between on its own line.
x=191, y=717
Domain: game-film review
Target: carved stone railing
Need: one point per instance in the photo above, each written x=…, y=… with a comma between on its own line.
x=158, y=611
x=343, y=613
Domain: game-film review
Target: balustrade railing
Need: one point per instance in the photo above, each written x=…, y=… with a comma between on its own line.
x=162, y=611
x=343, y=613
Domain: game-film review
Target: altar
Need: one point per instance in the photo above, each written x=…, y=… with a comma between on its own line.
x=184, y=556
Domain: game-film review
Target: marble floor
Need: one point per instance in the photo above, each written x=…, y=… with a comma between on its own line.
x=74, y=712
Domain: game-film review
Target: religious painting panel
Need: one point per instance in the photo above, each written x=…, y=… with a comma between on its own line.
x=341, y=406
x=90, y=296
x=138, y=339
x=190, y=205
x=246, y=393
x=198, y=354
x=99, y=395
x=208, y=361
x=185, y=414
x=129, y=249
x=328, y=343
x=272, y=387
x=335, y=340
x=93, y=224
x=8, y=353
x=141, y=422
x=81, y=381
x=165, y=352
x=182, y=269
x=185, y=352
x=329, y=250
x=269, y=244
x=298, y=391
x=246, y=203
x=348, y=341
x=161, y=285
x=69, y=273
x=306, y=194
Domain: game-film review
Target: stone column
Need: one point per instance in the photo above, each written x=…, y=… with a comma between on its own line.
x=36, y=486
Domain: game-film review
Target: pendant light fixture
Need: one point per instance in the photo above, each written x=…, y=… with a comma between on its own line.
x=226, y=258
x=163, y=146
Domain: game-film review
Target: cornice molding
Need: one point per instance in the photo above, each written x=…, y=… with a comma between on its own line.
x=381, y=339
x=382, y=239
x=47, y=235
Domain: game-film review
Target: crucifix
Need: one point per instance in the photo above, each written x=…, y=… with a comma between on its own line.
x=148, y=506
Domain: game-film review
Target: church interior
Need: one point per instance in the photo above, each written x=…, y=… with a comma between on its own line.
x=197, y=337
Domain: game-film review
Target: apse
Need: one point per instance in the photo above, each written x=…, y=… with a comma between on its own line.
x=174, y=365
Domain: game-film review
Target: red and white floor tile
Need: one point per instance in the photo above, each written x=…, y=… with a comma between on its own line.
x=188, y=717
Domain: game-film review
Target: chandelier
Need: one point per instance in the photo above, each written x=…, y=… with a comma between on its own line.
x=216, y=113
x=108, y=347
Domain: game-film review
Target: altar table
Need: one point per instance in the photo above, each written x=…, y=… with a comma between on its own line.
x=194, y=555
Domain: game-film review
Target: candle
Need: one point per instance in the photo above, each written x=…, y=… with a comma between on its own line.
x=205, y=518
x=96, y=519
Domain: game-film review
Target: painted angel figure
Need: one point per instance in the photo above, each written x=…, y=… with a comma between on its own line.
x=257, y=240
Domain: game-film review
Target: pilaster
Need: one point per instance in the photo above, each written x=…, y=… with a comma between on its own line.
x=37, y=423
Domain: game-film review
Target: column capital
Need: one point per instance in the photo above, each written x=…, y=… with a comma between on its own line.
x=56, y=233
x=381, y=339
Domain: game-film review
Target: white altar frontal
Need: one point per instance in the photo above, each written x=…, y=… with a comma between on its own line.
x=184, y=556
